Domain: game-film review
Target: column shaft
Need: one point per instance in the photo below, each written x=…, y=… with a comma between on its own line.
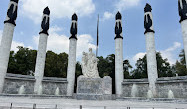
x=118, y=65
x=151, y=61
x=40, y=61
x=184, y=32
x=71, y=66
x=5, y=47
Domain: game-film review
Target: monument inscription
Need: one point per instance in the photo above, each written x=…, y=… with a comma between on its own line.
x=90, y=85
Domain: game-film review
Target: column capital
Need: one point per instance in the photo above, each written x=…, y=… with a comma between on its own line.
x=148, y=19
x=12, y=12
x=73, y=29
x=45, y=22
x=118, y=26
x=182, y=6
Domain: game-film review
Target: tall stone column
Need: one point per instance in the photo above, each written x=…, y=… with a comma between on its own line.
x=150, y=48
x=182, y=4
x=118, y=55
x=41, y=54
x=6, y=40
x=72, y=56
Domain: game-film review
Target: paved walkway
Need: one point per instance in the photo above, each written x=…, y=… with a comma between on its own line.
x=60, y=103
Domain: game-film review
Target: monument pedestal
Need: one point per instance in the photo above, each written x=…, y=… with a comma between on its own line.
x=94, y=88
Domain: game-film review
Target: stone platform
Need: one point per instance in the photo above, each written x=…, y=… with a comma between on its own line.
x=94, y=88
x=61, y=103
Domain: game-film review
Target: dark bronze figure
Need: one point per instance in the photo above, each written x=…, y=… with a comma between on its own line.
x=12, y=14
x=148, y=23
x=182, y=10
x=73, y=29
x=45, y=21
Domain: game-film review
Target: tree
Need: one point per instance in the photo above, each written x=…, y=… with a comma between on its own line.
x=163, y=67
x=56, y=65
x=62, y=64
x=106, y=66
x=180, y=66
x=141, y=70
x=22, y=62
x=12, y=63
x=126, y=68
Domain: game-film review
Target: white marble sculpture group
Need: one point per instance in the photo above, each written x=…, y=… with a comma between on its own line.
x=89, y=65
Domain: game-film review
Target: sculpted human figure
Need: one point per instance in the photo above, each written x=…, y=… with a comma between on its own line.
x=182, y=6
x=84, y=63
x=89, y=65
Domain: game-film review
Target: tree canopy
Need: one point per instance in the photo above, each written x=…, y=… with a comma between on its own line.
x=163, y=67
x=180, y=66
x=23, y=62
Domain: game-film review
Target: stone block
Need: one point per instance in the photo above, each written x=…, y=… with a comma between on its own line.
x=94, y=88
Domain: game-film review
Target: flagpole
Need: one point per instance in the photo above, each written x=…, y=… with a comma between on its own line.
x=97, y=36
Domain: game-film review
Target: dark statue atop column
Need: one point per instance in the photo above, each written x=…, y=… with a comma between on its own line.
x=182, y=5
x=118, y=26
x=148, y=22
x=73, y=29
x=12, y=12
x=45, y=21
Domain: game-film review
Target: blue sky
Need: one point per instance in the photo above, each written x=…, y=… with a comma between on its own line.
x=168, y=35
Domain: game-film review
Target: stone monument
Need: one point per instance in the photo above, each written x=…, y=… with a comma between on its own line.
x=182, y=6
x=72, y=56
x=150, y=48
x=118, y=55
x=6, y=41
x=89, y=65
x=42, y=47
x=89, y=85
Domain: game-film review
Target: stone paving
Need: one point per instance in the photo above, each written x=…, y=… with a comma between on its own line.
x=60, y=103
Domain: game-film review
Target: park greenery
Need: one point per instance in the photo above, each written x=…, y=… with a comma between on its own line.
x=23, y=62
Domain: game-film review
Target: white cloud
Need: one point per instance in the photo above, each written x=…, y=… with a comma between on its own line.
x=84, y=43
x=120, y=5
x=59, y=8
x=60, y=43
x=138, y=56
x=107, y=15
x=125, y=4
x=170, y=52
x=15, y=44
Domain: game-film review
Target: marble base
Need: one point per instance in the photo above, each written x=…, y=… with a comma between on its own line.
x=94, y=88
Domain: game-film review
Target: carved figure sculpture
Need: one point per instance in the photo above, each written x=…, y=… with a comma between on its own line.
x=89, y=65
x=12, y=14
x=182, y=4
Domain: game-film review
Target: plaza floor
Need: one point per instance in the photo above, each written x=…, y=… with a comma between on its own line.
x=60, y=103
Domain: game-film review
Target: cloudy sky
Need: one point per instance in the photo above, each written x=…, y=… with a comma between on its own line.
x=168, y=36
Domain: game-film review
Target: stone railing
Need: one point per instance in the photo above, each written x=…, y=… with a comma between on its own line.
x=136, y=81
x=54, y=79
x=19, y=76
x=29, y=77
x=172, y=79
